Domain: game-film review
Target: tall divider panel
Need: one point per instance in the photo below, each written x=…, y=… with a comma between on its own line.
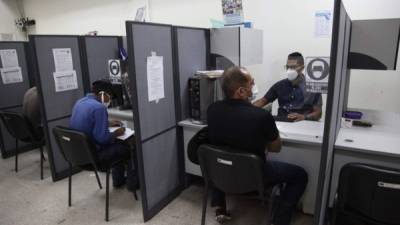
x=96, y=52
x=58, y=58
x=336, y=98
x=151, y=72
x=192, y=47
x=12, y=91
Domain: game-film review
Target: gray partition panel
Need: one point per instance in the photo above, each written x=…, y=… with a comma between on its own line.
x=100, y=49
x=158, y=157
x=13, y=94
x=161, y=177
x=57, y=104
x=192, y=52
x=154, y=117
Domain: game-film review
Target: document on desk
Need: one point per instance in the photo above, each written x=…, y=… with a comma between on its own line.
x=128, y=133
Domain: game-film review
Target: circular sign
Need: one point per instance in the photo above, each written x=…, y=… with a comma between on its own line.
x=318, y=69
x=114, y=68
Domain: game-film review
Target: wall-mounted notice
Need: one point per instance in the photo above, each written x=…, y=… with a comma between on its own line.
x=155, y=77
x=11, y=75
x=62, y=59
x=233, y=11
x=317, y=74
x=9, y=58
x=323, y=23
x=65, y=80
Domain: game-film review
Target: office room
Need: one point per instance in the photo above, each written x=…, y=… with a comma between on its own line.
x=149, y=112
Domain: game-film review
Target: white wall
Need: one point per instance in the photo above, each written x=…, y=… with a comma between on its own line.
x=79, y=17
x=288, y=25
x=371, y=89
x=8, y=13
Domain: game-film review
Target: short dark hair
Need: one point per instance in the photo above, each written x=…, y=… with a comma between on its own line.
x=102, y=85
x=296, y=56
x=232, y=79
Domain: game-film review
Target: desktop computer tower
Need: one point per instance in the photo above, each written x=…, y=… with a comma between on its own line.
x=203, y=91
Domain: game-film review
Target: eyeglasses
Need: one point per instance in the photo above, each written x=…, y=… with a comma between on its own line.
x=292, y=67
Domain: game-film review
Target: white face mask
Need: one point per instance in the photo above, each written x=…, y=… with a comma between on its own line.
x=106, y=104
x=254, y=92
x=291, y=74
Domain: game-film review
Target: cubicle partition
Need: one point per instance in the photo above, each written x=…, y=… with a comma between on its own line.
x=192, y=46
x=338, y=81
x=96, y=53
x=15, y=80
x=153, y=81
x=60, y=85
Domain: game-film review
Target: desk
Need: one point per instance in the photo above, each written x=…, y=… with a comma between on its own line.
x=378, y=145
x=125, y=116
x=301, y=146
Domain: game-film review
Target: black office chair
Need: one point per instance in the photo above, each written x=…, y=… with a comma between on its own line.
x=367, y=195
x=78, y=150
x=21, y=129
x=229, y=172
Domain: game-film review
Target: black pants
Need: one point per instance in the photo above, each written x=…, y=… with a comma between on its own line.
x=119, y=152
x=275, y=172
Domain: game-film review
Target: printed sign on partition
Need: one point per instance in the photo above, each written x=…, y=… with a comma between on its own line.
x=317, y=74
x=114, y=70
x=65, y=80
x=63, y=59
x=11, y=75
x=9, y=58
x=155, y=77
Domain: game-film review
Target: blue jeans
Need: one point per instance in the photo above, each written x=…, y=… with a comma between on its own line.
x=293, y=176
x=114, y=153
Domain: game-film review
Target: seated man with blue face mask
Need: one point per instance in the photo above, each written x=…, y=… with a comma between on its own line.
x=90, y=116
x=295, y=102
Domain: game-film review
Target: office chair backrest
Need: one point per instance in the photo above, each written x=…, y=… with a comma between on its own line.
x=17, y=125
x=231, y=171
x=75, y=146
x=372, y=191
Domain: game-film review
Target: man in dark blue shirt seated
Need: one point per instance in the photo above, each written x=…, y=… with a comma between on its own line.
x=295, y=102
x=236, y=123
x=90, y=116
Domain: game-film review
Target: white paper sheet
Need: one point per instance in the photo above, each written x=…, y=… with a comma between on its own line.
x=11, y=75
x=63, y=59
x=323, y=23
x=155, y=78
x=65, y=80
x=128, y=132
x=9, y=58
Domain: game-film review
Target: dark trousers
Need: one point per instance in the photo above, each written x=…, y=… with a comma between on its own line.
x=275, y=172
x=119, y=152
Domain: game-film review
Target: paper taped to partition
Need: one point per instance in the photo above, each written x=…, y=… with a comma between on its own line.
x=11, y=75
x=9, y=58
x=155, y=77
x=65, y=80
